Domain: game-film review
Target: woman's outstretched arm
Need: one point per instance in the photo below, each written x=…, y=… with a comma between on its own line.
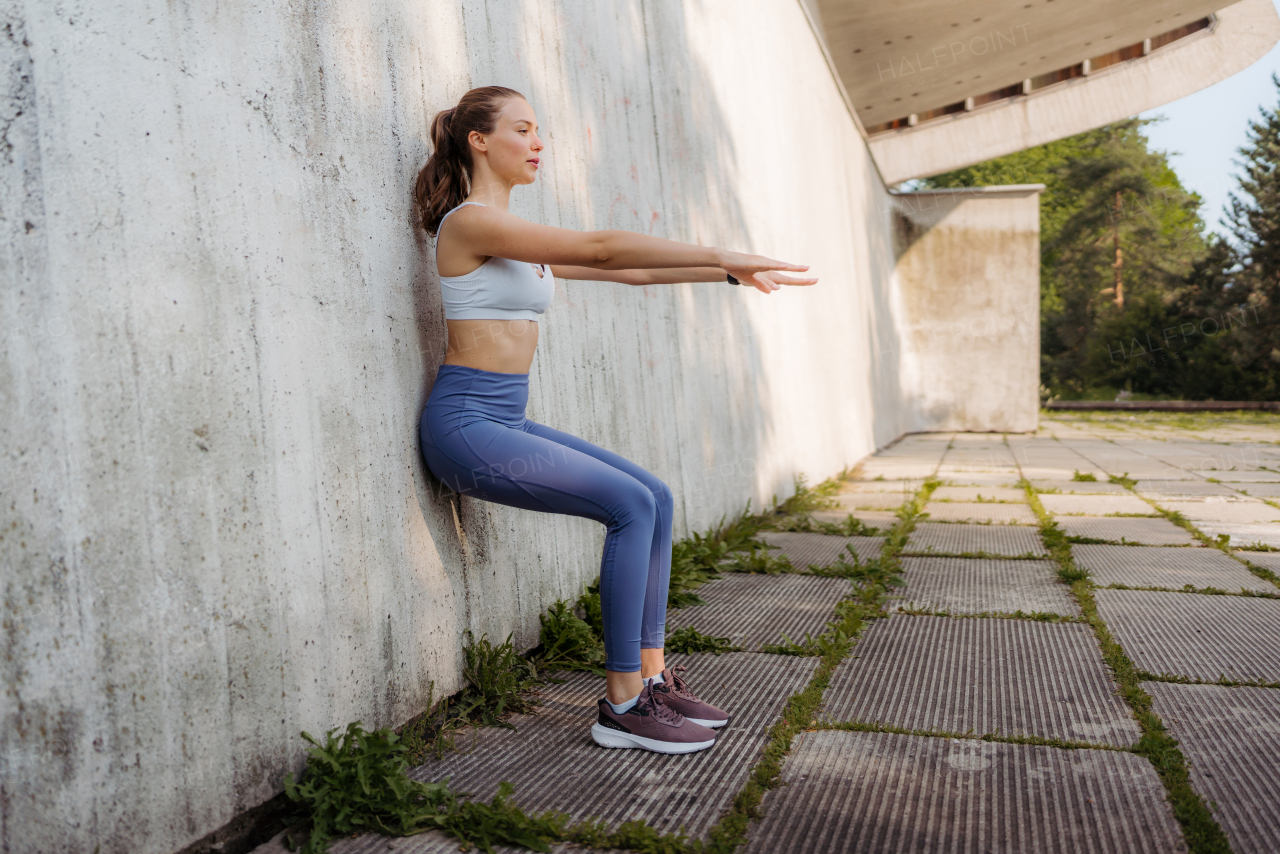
x=490, y=231
x=664, y=275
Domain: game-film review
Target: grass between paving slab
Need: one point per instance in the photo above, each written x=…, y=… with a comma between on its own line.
x=1202, y=833
x=866, y=602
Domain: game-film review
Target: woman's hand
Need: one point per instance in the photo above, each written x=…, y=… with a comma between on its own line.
x=762, y=272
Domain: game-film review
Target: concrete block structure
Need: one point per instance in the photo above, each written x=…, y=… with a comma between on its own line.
x=220, y=327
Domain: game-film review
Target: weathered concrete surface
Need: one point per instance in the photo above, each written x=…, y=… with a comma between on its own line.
x=803, y=548
x=1009, y=677
x=995, y=514
x=1097, y=505
x=972, y=319
x=1149, y=532
x=979, y=493
x=1201, y=637
x=1229, y=738
x=1166, y=567
x=798, y=604
x=944, y=538
x=869, y=791
x=969, y=586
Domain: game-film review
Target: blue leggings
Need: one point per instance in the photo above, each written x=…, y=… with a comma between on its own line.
x=477, y=440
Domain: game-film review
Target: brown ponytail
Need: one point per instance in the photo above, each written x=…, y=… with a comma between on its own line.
x=446, y=179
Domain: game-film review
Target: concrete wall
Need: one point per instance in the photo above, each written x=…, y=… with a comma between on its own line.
x=220, y=328
x=968, y=275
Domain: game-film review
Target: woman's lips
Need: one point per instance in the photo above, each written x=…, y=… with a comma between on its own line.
x=534, y=161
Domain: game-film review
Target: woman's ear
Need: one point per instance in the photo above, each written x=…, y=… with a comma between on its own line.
x=477, y=141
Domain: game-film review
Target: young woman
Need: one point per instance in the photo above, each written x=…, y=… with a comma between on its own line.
x=497, y=275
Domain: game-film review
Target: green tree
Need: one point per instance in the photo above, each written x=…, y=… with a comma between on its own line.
x=1118, y=233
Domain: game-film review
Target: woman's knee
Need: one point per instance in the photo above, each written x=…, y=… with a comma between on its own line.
x=665, y=500
x=636, y=502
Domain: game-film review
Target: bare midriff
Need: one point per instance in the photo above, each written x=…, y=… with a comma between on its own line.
x=505, y=346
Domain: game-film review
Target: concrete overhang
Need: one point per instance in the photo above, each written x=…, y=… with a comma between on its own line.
x=938, y=84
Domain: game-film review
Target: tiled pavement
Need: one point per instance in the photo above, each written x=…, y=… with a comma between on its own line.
x=979, y=714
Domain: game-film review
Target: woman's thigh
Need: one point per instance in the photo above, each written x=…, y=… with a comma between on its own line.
x=568, y=440
x=506, y=465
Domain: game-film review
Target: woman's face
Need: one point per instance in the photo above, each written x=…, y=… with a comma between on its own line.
x=512, y=149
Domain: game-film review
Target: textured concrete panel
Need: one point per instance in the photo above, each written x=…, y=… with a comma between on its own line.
x=1156, y=488
x=1238, y=510
x=1243, y=534
x=1013, y=677
x=879, y=519
x=979, y=493
x=873, y=500
x=908, y=487
x=1070, y=487
x=1258, y=490
x=755, y=609
x=945, y=538
x=978, y=478
x=997, y=514
x=1200, y=637
x=803, y=548
x=847, y=792
x=1231, y=738
x=1096, y=505
x=968, y=586
x=1151, y=532
x=1240, y=475
x=1166, y=567
x=553, y=763
x=1266, y=560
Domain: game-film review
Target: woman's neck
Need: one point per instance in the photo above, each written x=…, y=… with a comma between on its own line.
x=489, y=189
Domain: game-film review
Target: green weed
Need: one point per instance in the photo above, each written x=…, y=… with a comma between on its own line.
x=1084, y=477
x=358, y=783
x=689, y=640
x=569, y=642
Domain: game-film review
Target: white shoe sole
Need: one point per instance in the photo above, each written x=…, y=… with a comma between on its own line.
x=712, y=724
x=606, y=737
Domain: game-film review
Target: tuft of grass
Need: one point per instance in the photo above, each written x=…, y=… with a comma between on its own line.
x=499, y=681
x=1084, y=477
x=1123, y=479
x=358, y=783
x=758, y=560
x=689, y=640
x=569, y=642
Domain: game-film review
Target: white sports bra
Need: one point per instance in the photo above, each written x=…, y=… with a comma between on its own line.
x=499, y=289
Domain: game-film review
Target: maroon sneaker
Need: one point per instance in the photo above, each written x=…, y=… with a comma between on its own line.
x=674, y=692
x=650, y=725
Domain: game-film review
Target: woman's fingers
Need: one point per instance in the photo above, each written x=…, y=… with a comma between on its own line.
x=792, y=280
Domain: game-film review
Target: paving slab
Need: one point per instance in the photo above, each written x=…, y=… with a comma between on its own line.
x=977, y=478
x=872, y=500
x=752, y=609
x=979, y=493
x=944, y=538
x=881, y=520
x=1240, y=476
x=1266, y=560
x=1150, y=532
x=1154, y=488
x=554, y=765
x=899, y=486
x=960, y=585
x=1230, y=739
x=852, y=792
x=896, y=470
x=1216, y=508
x=1243, y=534
x=1173, y=568
x=1012, y=677
x=1199, y=637
x=803, y=548
x=990, y=513
x=1070, y=487
x=1097, y=505
x=1258, y=490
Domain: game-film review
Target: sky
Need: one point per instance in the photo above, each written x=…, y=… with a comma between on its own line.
x=1207, y=127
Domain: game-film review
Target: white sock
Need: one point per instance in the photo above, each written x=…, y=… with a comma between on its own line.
x=622, y=708
x=655, y=680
